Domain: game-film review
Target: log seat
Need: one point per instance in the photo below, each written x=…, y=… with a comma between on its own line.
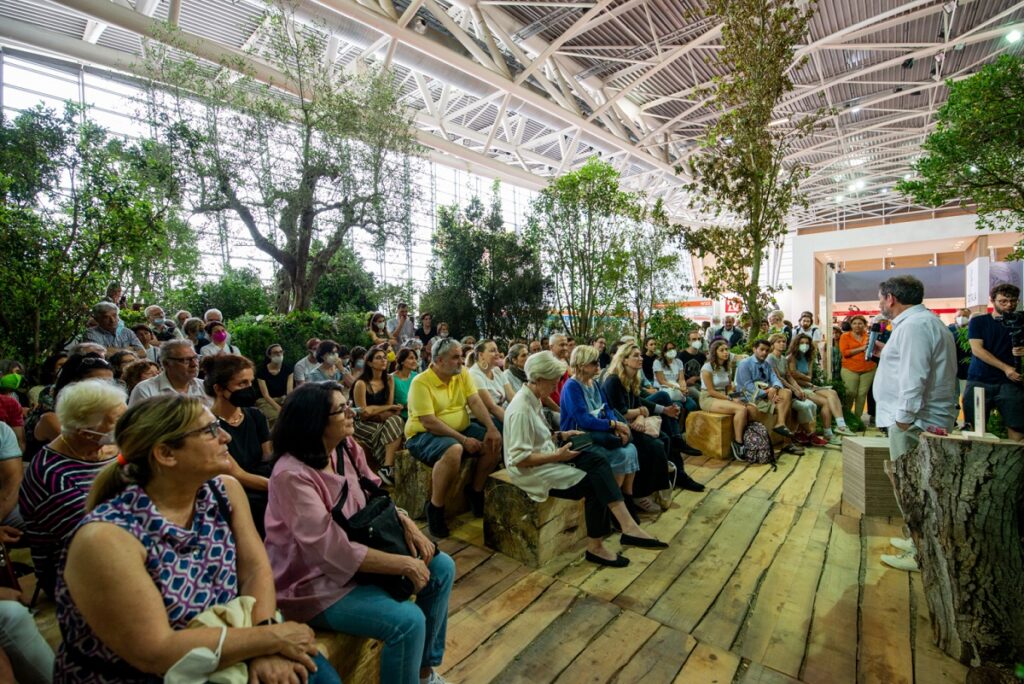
x=412, y=486
x=712, y=432
x=357, y=659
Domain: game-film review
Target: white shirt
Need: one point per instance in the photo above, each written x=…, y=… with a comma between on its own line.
x=159, y=384
x=916, y=377
x=526, y=432
x=671, y=372
x=408, y=330
x=302, y=368
x=494, y=385
x=212, y=349
x=814, y=333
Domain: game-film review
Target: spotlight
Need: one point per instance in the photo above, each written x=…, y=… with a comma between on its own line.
x=1013, y=36
x=419, y=25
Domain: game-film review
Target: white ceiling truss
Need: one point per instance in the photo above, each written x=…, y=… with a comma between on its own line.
x=526, y=90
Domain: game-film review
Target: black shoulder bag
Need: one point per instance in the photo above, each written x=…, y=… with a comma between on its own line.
x=377, y=526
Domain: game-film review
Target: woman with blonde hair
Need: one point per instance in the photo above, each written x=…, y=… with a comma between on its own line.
x=167, y=537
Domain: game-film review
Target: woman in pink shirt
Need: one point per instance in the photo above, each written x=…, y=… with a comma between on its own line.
x=315, y=563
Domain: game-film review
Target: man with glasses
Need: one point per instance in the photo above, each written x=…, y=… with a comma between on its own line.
x=181, y=368
x=996, y=364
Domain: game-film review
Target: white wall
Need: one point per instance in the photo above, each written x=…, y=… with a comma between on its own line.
x=807, y=247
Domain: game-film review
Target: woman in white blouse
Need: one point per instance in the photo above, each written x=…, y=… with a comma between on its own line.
x=489, y=379
x=542, y=469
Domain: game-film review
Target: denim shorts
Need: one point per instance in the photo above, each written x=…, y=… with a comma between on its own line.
x=428, y=448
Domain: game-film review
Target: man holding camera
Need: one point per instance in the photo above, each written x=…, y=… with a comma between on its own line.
x=997, y=349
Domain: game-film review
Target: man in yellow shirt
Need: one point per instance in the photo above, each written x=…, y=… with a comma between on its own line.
x=439, y=430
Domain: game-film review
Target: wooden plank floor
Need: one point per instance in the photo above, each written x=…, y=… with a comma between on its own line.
x=767, y=580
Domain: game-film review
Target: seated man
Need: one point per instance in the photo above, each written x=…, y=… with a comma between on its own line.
x=762, y=386
x=180, y=374
x=439, y=430
x=110, y=331
x=163, y=328
x=729, y=332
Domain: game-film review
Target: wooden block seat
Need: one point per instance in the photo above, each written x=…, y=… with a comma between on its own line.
x=712, y=432
x=531, y=532
x=356, y=658
x=866, y=487
x=412, y=486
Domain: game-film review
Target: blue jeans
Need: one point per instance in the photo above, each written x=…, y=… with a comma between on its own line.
x=325, y=672
x=413, y=633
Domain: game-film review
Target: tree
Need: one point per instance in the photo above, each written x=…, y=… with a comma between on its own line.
x=976, y=153
x=237, y=292
x=299, y=162
x=346, y=285
x=668, y=325
x=580, y=222
x=650, y=268
x=741, y=180
x=485, y=279
x=78, y=209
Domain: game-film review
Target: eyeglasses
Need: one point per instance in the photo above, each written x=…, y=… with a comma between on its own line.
x=213, y=429
x=183, y=359
x=344, y=408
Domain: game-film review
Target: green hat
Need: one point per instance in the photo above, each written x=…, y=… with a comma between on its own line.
x=11, y=381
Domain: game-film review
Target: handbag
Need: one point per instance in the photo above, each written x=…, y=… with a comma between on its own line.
x=377, y=526
x=652, y=426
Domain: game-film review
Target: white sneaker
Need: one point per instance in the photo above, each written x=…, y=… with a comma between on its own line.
x=903, y=544
x=845, y=431
x=434, y=678
x=904, y=561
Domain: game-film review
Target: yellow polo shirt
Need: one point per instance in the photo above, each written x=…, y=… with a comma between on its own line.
x=428, y=396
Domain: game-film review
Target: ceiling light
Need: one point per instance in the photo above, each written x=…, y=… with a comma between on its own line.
x=907, y=176
x=839, y=199
x=779, y=122
x=855, y=110
x=837, y=178
x=1013, y=36
x=858, y=161
x=852, y=188
x=883, y=191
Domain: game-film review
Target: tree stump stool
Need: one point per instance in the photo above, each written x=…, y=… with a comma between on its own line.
x=963, y=501
x=533, y=533
x=412, y=486
x=357, y=659
x=712, y=432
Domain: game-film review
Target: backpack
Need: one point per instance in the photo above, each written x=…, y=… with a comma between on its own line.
x=757, y=445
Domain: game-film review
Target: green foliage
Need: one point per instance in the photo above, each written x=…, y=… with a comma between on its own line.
x=741, y=179
x=484, y=280
x=346, y=285
x=996, y=425
x=668, y=325
x=301, y=162
x=78, y=209
x=582, y=222
x=976, y=152
x=237, y=292
x=253, y=334
x=389, y=295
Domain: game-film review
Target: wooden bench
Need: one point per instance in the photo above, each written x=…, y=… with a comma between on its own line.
x=533, y=533
x=712, y=432
x=357, y=659
x=413, y=481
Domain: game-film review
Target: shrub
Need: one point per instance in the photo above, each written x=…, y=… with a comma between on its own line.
x=668, y=325
x=253, y=334
x=239, y=291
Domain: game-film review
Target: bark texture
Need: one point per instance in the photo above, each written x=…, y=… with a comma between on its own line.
x=963, y=501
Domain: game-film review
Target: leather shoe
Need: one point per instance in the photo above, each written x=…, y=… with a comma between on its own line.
x=619, y=562
x=629, y=540
x=690, y=451
x=690, y=485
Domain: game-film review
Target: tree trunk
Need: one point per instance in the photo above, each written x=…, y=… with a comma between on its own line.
x=963, y=501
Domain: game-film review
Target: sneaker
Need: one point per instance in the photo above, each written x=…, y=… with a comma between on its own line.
x=835, y=441
x=802, y=438
x=844, y=430
x=783, y=430
x=818, y=441
x=737, y=451
x=434, y=678
x=436, y=523
x=903, y=544
x=387, y=475
x=904, y=561
x=646, y=504
x=795, y=449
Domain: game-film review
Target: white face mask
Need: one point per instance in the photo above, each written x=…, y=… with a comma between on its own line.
x=696, y=344
x=277, y=358
x=380, y=325
x=804, y=348
x=962, y=320
x=670, y=354
x=331, y=358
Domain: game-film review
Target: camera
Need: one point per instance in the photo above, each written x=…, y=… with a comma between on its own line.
x=1015, y=322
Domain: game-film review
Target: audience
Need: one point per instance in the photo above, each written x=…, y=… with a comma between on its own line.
x=379, y=426
x=179, y=376
x=377, y=329
x=320, y=480
x=136, y=372
x=729, y=332
x=996, y=364
x=495, y=390
x=219, y=343
x=401, y=328
x=163, y=328
x=756, y=378
x=439, y=431
x=52, y=496
x=11, y=474
x=693, y=359
x=515, y=367
x=120, y=360
x=406, y=368
x=668, y=372
x=426, y=332
x=167, y=537
x=804, y=410
x=228, y=379
x=275, y=380
x=802, y=363
x=857, y=372
x=719, y=395
x=110, y=332
x=43, y=424
x=540, y=468
x=329, y=368
x=25, y=657
x=149, y=342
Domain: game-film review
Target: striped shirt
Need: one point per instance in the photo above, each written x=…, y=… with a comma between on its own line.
x=52, y=502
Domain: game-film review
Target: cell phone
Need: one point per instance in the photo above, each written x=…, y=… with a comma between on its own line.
x=580, y=442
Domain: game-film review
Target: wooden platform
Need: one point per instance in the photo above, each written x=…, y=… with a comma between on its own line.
x=768, y=579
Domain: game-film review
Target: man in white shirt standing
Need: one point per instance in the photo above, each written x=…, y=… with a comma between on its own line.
x=401, y=328
x=915, y=385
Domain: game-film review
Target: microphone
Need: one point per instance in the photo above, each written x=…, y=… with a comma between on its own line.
x=876, y=331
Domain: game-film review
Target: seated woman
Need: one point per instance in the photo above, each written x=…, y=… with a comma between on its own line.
x=805, y=412
x=328, y=366
x=379, y=428
x=52, y=496
x=195, y=333
x=490, y=380
x=803, y=360
x=316, y=565
x=275, y=381
x=137, y=372
x=218, y=336
x=377, y=328
x=716, y=394
x=660, y=455
x=583, y=406
x=229, y=380
x=542, y=469
x=669, y=373
x=515, y=366
x=42, y=425
x=120, y=360
x=406, y=368
x=168, y=536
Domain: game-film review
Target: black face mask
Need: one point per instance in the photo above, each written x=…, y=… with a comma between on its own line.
x=243, y=398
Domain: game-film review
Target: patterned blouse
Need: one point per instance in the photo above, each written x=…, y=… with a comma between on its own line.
x=192, y=568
